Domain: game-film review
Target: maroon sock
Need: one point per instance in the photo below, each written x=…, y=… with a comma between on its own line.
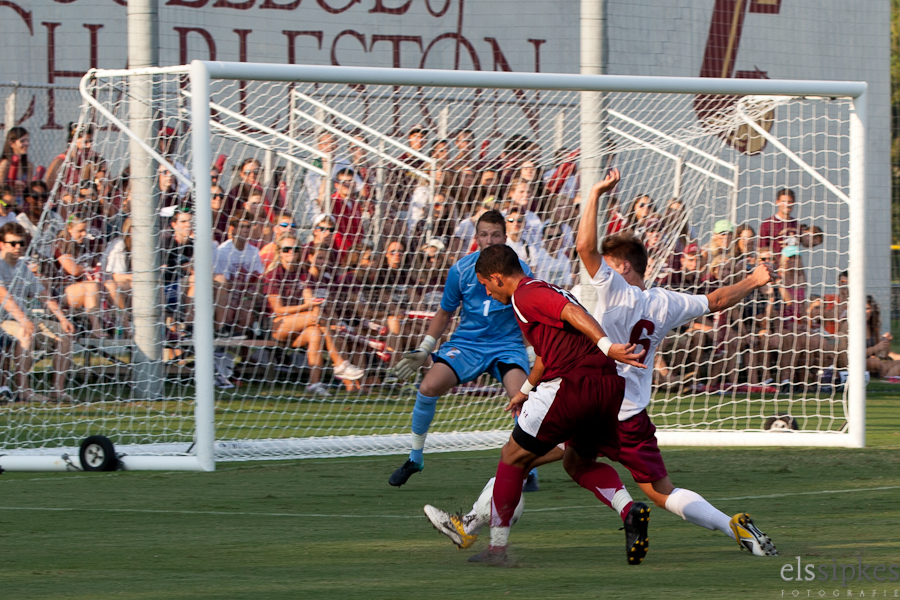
x=507, y=492
x=604, y=482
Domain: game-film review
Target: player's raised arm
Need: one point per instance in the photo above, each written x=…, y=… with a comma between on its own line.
x=726, y=297
x=586, y=243
x=579, y=318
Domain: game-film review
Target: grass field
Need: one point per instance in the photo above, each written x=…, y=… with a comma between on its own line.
x=335, y=529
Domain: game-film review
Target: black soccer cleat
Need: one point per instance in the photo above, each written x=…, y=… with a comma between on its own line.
x=531, y=482
x=402, y=475
x=636, y=538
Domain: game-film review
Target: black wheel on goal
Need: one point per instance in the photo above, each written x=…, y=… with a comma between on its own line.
x=98, y=454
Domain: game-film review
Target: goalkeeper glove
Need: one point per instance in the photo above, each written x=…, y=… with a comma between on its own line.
x=407, y=367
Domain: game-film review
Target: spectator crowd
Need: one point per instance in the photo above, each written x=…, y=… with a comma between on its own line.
x=350, y=271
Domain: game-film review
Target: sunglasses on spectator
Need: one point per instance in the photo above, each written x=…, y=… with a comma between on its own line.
x=321, y=228
x=287, y=249
x=251, y=172
x=343, y=181
x=15, y=242
x=288, y=224
x=515, y=220
x=218, y=195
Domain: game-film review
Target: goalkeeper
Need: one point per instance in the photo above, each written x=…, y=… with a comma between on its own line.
x=487, y=340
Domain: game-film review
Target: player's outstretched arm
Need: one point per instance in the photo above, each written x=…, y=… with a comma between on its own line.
x=726, y=297
x=534, y=378
x=578, y=318
x=586, y=243
x=407, y=367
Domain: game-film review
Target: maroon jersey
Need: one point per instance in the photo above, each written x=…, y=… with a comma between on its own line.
x=774, y=230
x=538, y=306
x=288, y=285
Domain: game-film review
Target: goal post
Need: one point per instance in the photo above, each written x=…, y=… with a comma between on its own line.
x=719, y=148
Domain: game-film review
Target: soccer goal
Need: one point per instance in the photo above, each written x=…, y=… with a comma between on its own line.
x=244, y=252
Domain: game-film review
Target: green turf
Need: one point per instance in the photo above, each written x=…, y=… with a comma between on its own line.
x=335, y=529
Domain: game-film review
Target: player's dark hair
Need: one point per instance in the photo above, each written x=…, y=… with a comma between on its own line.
x=626, y=246
x=494, y=217
x=785, y=192
x=500, y=259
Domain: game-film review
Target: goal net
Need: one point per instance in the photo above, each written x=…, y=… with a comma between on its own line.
x=244, y=259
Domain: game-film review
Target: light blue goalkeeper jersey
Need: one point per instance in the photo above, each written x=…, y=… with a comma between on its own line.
x=485, y=324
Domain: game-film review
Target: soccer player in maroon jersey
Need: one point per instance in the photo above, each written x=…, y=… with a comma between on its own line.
x=628, y=311
x=572, y=395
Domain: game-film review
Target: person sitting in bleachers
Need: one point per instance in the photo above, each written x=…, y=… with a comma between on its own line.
x=237, y=274
x=120, y=277
x=515, y=227
x=519, y=195
x=389, y=296
x=284, y=225
x=81, y=155
x=15, y=168
x=7, y=205
x=551, y=262
x=346, y=212
x=18, y=288
x=77, y=271
x=296, y=313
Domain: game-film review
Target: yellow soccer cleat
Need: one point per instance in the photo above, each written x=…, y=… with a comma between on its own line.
x=450, y=525
x=749, y=537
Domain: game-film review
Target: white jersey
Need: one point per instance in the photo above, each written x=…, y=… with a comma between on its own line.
x=630, y=315
x=237, y=264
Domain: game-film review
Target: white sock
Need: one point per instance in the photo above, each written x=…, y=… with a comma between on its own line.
x=499, y=536
x=418, y=441
x=621, y=500
x=474, y=520
x=480, y=515
x=692, y=507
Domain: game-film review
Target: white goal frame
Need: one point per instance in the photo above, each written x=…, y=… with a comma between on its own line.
x=202, y=456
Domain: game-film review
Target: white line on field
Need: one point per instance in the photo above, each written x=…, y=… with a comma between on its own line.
x=767, y=496
x=850, y=491
x=327, y=516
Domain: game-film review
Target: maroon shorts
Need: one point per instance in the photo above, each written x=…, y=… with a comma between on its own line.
x=636, y=449
x=580, y=407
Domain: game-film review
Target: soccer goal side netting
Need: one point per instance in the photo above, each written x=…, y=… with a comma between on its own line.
x=241, y=254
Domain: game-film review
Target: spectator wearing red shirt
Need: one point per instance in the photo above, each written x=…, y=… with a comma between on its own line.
x=616, y=222
x=15, y=170
x=346, y=212
x=774, y=230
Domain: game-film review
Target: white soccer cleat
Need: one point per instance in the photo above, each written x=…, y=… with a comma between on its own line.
x=348, y=371
x=450, y=525
x=318, y=389
x=749, y=537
